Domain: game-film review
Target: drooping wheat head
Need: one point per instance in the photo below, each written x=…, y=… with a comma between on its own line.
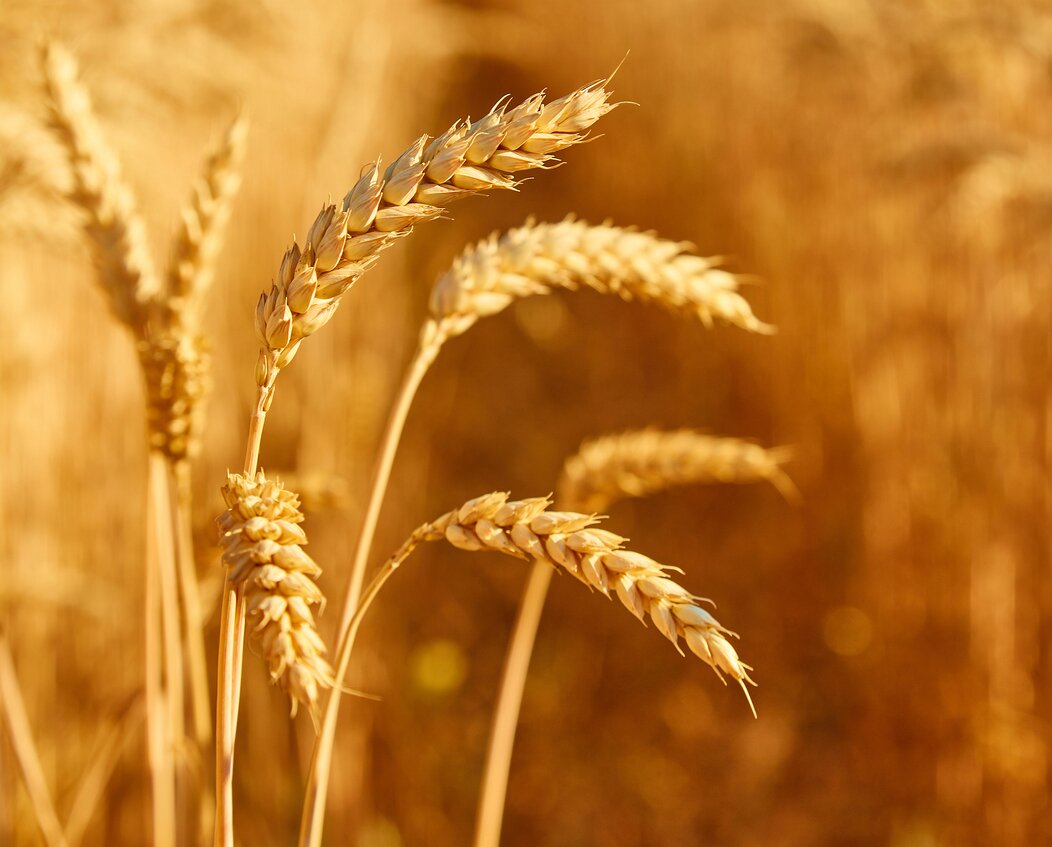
x=383, y=206
x=262, y=544
x=570, y=541
x=537, y=258
x=640, y=462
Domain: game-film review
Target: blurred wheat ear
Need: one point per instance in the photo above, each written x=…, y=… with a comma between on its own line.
x=164, y=321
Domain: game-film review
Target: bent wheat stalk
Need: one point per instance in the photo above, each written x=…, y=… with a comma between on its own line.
x=484, y=280
x=343, y=243
x=603, y=471
x=568, y=541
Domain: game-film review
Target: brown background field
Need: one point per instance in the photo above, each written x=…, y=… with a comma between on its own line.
x=882, y=168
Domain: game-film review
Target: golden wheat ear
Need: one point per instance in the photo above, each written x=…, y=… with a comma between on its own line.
x=263, y=553
x=641, y=462
x=571, y=542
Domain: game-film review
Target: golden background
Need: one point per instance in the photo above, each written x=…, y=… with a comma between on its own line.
x=882, y=170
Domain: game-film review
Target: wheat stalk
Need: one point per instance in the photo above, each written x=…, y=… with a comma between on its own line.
x=642, y=462
x=262, y=541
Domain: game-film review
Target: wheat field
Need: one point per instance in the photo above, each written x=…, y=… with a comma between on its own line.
x=745, y=299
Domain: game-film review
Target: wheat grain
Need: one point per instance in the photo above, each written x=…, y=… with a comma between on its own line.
x=535, y=258
x=641, y=462
x=113, y=224
x=383, y=206
x=262, y=541
x=569, y=541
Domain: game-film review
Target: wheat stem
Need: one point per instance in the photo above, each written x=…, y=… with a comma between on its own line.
x=490, y=813
x=21, y=735
x=200, y=701
x=317, y=785
x=158, y=726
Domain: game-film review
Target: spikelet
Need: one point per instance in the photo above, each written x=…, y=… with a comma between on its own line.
x=536, y=258
x=569, y=541
x=383, y=206
x=640, y=462
x=262, y=551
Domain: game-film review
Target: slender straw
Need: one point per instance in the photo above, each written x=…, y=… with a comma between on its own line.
x=200, y=700
x=313, y=818
x=158, y=738
x=506, y=713
x=21, y=736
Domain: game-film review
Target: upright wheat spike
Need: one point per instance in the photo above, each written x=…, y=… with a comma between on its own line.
x=641, y=462
x=204, y=221
x=114, y=227
x=262, y=541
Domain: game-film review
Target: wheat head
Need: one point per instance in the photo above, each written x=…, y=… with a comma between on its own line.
x=383, y=206
x=569, y=541
x=263, y=553
x=536, y=258
x=640, y=462
x=114, y=227
x=204, y=221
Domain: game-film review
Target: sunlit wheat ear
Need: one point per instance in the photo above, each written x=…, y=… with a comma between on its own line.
x=641, y=462
x=536, y=258
x=114, y=227
x=569, y=541
x=204, y=221
x=263, y=554
x=384, y=205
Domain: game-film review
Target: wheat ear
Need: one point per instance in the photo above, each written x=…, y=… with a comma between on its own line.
x=263, y=553
x=642, y=462
x=113, y=224
x=536, y=258
x=604, y=470
x=383, y=206
x=204, y=221
x=566, y=541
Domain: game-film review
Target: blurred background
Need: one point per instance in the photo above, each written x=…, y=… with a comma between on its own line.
x=881, y=169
